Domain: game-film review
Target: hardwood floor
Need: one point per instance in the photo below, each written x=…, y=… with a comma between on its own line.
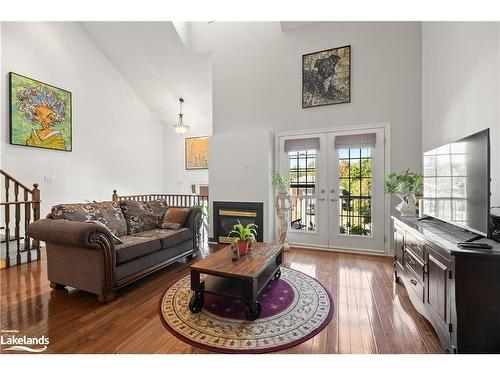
x=372, y=314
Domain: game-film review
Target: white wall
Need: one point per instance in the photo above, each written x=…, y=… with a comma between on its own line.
x=155, y=60
x=178, y=179
x=117, y=142
x=461, y=86
x=240, y=170
x=257, y=87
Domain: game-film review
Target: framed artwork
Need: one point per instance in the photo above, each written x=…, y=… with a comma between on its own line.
x=326, y=77
x=40, y=114
x=196, y=153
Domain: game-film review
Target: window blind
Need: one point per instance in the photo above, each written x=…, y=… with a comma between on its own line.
x=301, y=144
x=366, y=140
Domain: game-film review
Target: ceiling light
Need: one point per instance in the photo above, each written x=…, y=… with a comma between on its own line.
x=181, y=128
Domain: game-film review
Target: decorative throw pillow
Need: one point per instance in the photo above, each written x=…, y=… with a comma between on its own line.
x=158, y=207
x=108, y=213
x=175, y=218
x=139, y=216
x=116, y=240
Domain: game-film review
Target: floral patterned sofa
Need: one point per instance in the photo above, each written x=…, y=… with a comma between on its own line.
x=101, y=247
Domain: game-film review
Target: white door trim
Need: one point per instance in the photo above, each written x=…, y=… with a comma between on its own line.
x=387, y=168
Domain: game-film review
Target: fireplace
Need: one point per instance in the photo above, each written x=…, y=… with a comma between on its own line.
x=226, y=215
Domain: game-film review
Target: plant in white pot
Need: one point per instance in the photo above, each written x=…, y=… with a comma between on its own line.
x=280, y=182
x=404, y=185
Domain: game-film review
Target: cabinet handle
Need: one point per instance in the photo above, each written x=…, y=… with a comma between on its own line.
x=413, y=282
x=426, y=268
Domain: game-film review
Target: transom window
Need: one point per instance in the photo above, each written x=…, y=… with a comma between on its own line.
x=355, y=190
x=302, y=166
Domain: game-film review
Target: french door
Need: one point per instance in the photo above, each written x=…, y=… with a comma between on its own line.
x=336, y=187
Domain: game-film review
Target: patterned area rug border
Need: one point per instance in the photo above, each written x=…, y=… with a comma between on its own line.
x=249, y=351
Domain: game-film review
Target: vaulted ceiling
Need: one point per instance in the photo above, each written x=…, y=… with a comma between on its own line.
x=156, y=63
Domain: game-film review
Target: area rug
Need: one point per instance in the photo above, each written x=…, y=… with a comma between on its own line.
x=294, y=308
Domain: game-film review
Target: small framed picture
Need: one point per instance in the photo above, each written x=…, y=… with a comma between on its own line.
x=326, y=77
x=196, y=153
x=40, y=114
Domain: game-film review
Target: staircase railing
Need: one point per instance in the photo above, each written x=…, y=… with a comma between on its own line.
x=174, y=200
x=24, y=203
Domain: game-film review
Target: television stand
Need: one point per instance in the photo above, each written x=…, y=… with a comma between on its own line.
x=455, y=289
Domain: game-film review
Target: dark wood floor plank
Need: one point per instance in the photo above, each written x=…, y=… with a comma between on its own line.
x=371, y=314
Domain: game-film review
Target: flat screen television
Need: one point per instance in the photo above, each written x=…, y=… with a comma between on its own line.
x=457, y=183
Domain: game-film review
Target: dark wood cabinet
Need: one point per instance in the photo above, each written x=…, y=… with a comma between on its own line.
x=437, y=290
x=453, y=289
x=398, y=247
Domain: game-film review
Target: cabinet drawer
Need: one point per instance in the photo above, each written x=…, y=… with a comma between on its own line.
x=415, y=266
x=415, y=286
x=415, y=245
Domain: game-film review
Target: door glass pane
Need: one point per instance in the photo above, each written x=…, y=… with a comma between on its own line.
x=355, y=180
x=302, y=165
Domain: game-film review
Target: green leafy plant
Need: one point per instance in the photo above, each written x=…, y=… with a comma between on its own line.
x=279, y=180
x=403, y=184
x=244, y=233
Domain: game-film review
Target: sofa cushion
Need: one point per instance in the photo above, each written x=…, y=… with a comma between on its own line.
x=108, y=213
x=134, y=247
x=139, y=216
x=158, y=207
x=167, y=237
x=175, y=217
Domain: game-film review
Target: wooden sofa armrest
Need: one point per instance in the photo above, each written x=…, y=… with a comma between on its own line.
x=194, y=223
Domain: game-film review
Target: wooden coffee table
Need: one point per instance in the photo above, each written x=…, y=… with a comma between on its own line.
x=243, y=279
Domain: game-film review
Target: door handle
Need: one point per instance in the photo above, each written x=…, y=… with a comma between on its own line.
x=321, y=199
x=334, y=200
x=413, y=282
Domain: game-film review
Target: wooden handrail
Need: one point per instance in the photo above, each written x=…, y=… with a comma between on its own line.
x=16, y=181
x=16, y=202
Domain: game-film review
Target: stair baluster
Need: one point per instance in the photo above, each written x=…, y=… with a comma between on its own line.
x=7, y=223
x=36, y=215
x=27, y=219
x=17, y=219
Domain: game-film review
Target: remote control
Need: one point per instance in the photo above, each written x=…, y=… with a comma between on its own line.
x=473, y=245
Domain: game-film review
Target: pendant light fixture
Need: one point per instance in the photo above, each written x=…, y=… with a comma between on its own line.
x=181, y=128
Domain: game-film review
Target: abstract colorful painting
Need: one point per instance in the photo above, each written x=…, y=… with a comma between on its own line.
x=40, y=114
x=326, y=77
x=197, y=153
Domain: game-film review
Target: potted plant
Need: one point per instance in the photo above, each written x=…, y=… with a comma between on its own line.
x=280, y=182
x=245, y=236
x=404, y=185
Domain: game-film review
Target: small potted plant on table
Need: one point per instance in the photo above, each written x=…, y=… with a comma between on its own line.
x=245, y=236
x=404, y=185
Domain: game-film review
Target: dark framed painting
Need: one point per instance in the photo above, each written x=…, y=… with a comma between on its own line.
x=40, y=114
x=196, y=153
x=326, y=77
